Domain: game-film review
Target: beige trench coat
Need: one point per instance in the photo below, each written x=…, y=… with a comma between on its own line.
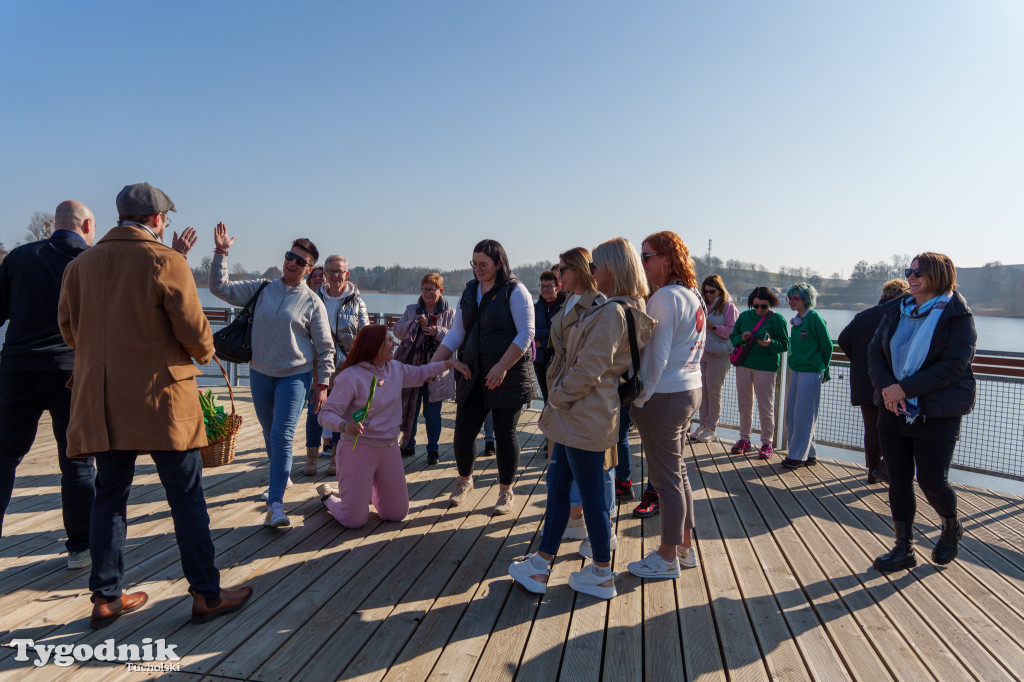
x=583, y=400
x=130, y=309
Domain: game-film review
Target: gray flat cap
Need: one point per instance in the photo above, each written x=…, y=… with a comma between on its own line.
x=143, y=199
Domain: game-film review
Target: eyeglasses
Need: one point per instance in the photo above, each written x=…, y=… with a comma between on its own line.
x=295, y=257
x=760, y=306
x=427, y=290
x=547, y=286
x=335, y=273
x=916, y=272
x=482, y=265
x=167, y=220
x=563, y=268
x=647, y=256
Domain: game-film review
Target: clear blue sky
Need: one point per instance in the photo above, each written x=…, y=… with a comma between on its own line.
x=791, y=133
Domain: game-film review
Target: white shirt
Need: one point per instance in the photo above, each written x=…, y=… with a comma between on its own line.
x=670, y=362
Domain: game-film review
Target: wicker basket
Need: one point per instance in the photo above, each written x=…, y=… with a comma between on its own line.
x=222, y=450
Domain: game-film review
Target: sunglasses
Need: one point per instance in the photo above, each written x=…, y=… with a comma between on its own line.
x=647, y=256
x=563, y=268
x=593, y=268
x=916, y=272
x=710, y=292
x=295, y=257
x=760, y=306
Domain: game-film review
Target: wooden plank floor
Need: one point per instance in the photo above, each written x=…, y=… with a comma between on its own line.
x=784, y=589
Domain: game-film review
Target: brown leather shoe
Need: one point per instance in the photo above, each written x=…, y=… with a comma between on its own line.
x=229, y=601
x=106, y=612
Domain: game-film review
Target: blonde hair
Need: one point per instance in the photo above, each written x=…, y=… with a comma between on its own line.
x=579, y=260
x=434, y=278
x=620, y=258
x=894, y=288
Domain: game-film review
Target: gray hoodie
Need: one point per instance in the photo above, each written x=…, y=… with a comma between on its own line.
x=290, y=328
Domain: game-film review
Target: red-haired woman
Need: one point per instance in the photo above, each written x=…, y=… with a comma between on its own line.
x=670, y=367
x=371, y=470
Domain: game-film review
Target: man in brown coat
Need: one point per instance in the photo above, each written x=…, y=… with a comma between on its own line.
x=132, y=314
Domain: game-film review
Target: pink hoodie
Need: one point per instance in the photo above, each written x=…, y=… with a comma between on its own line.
x=352, y=388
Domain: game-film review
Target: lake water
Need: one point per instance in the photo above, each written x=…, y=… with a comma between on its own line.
x=994, y=333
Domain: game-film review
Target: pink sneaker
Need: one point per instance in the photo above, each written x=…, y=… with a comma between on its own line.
x=765, y=452
x=742, y=447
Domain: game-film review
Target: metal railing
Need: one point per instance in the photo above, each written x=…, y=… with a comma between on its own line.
x=991, y=436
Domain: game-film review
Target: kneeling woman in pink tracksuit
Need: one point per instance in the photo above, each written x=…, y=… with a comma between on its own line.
x=370, y=469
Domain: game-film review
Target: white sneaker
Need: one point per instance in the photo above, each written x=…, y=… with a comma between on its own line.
x=79, y=559
x=695, y=433
x=327, y=453
x=265, y=495
x=706, y=436
x=687, y=557
x=653, y=566
x=522, y=571
x=576, y=530
x=589, y=582
x=587, y=552
x=276, y=517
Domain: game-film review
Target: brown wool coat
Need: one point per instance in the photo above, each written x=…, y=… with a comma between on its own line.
x=130, y=309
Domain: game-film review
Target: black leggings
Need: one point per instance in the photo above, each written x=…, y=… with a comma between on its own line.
x=469, y=418
x=931, y=459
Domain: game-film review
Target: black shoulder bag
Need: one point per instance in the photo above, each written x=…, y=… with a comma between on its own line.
x=233, y=343
x=631, y=386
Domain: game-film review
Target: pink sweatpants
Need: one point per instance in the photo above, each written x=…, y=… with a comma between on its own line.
x=369, y=474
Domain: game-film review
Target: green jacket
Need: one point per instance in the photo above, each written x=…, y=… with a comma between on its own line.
x=762, y=357
x=810, y=348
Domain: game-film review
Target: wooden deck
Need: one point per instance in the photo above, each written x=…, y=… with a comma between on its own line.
x=784, y=589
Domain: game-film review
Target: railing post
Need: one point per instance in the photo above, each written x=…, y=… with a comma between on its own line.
x=781, y=439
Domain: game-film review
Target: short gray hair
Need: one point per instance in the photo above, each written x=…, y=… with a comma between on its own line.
x=342, y=261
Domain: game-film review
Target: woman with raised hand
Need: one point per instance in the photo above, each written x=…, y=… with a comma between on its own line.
x=670, y=367
x=290, y=336
x=579, y=418
x=764, y=332
x=810, y=352
x=421, y=328
x=714, y=364
x=920, y=365
x=492, y=330
x=369, y=462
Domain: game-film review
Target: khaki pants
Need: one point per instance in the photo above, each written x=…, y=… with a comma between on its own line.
x=759, y=382
x=713, y=370
x=662, y=421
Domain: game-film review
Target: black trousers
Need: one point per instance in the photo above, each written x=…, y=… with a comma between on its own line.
x=931, y=458
x=24, y=396
x=469, y=418
x=872, y=448
x=540, y=369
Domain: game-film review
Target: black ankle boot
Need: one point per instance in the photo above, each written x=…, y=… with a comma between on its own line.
x=902, y=555
x=948, y=546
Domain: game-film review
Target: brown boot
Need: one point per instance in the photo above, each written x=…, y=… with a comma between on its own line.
x=229, y=601
x=106, y=612
x=332, y=470
x=309, y=469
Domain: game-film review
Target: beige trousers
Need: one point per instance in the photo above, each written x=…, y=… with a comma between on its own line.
x=713, y=370
x=759, y=382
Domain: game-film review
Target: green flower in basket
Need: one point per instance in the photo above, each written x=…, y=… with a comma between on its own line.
x=360, y=414
x=214, y=418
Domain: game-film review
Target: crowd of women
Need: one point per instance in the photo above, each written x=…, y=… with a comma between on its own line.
x=625, y=337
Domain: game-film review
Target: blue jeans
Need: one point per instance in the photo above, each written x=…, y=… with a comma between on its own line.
x=488, y=428
x=576, y=500
x=585, y=467
x=181, y=473
x=622, y=469
x=313, y=429
x=432, y=420
x=278, y=402
x=23, y=398
x=802, y=402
